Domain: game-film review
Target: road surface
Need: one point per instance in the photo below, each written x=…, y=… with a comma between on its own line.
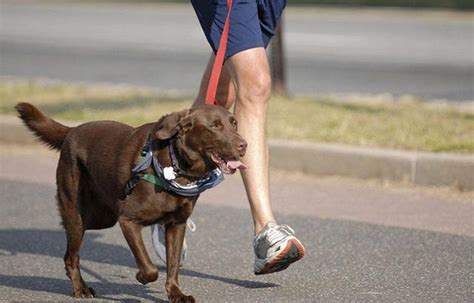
x=364, y=242
x=427, y=54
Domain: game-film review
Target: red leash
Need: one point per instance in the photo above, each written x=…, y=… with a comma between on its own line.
x=219, y=60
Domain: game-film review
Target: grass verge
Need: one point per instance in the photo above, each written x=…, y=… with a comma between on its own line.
x=400, y=124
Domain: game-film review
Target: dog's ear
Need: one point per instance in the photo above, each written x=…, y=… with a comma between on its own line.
x=170, y=125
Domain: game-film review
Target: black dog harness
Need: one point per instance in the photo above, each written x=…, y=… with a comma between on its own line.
x=165, y=177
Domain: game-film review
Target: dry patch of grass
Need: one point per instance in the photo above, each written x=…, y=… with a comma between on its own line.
x=81, y=102
x=403, y=125
x=399, y=124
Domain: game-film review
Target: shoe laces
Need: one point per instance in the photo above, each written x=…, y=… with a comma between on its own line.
x=279, y=232
x=286, y=229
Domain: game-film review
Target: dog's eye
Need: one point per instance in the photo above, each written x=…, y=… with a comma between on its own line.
x=216, y=124
x=234, y=123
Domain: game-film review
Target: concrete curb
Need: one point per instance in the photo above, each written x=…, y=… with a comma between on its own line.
x=419, y=168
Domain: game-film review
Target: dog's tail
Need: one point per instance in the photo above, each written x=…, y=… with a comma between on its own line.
x=46, y=129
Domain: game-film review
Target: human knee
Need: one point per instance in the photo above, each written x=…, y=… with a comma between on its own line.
x=257, y=89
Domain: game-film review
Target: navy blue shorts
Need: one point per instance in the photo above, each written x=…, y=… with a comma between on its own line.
x=252, y=23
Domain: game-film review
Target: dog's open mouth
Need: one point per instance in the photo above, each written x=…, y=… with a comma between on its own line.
x=228, y=166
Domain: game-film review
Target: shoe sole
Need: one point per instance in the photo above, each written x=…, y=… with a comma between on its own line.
x=293, y=251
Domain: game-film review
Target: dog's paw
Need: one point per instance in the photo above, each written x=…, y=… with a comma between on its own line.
x=175, y=295
x=84, y=292
x=182, y=299
x=146, y=278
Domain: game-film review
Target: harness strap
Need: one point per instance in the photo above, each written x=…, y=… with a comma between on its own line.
x=133, y=181
x=209, y=180
x=137, y=171
x=219, y=60
x=153, y=179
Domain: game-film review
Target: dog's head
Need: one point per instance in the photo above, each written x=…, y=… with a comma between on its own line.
x=206, y=138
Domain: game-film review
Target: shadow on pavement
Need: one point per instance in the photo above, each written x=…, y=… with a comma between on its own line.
x=345, y=261
x=52, y=243
x=63, y=287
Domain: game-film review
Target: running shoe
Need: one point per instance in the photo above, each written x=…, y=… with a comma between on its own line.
x=159, y=242
x=276, y=248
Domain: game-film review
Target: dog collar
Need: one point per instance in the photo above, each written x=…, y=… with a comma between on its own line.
x=165, y=177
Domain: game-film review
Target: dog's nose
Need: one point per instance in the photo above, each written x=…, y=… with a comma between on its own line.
x=242, y=147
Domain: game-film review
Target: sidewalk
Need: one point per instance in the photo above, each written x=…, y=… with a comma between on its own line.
x=418, y=168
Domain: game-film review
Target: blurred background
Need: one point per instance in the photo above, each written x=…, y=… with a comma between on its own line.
x=416, y=47
x=364, y=89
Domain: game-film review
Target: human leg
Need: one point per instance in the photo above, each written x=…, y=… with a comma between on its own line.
x=245, y=79
x=251, y=76
x=275, y=245
x=225, y=95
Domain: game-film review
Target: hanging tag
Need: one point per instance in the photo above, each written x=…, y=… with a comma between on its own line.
x=169, y=173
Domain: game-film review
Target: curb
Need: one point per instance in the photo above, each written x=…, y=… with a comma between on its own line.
x=418, y=168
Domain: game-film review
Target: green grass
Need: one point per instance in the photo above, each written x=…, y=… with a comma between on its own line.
x=401, y=124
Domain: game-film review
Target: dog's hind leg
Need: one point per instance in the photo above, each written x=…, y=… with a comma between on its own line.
x=69, y=196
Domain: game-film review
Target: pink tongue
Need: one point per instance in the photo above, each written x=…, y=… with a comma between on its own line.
x=236, y=164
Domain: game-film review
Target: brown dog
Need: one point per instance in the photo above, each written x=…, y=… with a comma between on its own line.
x=95, y=165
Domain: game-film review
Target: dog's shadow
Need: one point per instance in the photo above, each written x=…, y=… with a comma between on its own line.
x=63, y=287
x=52, y=243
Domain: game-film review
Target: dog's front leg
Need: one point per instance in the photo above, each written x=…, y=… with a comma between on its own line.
x=133, y=234
x=174, y=244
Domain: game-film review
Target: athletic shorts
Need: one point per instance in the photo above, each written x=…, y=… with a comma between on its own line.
x=252, y=23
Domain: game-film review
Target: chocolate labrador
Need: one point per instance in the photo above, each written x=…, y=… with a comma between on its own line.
x=99, y=183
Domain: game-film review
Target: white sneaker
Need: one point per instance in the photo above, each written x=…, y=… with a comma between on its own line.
x=159, y=242
x=276, y=248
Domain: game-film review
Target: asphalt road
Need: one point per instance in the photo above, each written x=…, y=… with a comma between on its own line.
x=427, y=54
x=364, y=243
